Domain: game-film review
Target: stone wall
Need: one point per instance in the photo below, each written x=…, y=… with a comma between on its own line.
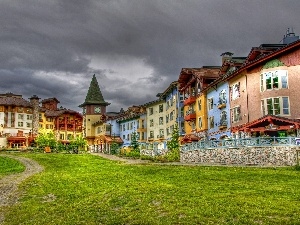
x=260, y=156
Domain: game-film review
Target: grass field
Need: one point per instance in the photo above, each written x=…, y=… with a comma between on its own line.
x=86, y=189
x=9, y=166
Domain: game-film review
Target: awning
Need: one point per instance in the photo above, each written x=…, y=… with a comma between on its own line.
x=108, y=139
x=190, y=138
x=268, y=123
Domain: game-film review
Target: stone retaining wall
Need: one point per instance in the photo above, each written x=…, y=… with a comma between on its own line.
x=261, y=156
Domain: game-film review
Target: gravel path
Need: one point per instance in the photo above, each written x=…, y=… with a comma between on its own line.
x=9, y=184
x=125, y=160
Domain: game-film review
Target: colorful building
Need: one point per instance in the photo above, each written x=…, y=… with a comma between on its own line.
x=21, y=120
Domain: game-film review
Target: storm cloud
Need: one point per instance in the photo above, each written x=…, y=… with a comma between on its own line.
x=136, y=48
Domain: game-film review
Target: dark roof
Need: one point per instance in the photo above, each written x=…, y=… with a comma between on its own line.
x=56, y=113
x=50, y=100
x=169, y=89
x=263, y=58
x=152, y=102
x=94, y=95
x=14, y=101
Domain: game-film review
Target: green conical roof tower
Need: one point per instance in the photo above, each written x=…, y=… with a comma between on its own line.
x=94, y=95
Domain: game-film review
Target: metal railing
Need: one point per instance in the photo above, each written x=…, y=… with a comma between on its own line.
x=241, y=142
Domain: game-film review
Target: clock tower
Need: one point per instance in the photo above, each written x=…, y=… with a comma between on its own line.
x=93, y=109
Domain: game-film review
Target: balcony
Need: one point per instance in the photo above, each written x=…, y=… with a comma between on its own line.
x=222, y=124
x=161, y=137
x=190, y=100
x=150, y=138
x=190, y=115
x=221, y=103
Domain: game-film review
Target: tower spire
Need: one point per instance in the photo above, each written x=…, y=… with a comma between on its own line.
x=94, y=95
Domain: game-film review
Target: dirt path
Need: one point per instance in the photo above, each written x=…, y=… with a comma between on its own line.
x=116, y=158
x=9, y=184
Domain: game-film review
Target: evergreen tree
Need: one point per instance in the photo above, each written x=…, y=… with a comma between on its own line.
x=173, y=145
x=134, y=142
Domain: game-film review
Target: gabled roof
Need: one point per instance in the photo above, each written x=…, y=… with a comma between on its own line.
x=265, y=121
x=169, y=89
x=189, y=75
x=257, y=61
x=94, y=95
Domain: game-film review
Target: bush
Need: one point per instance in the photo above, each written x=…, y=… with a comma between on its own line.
x=133, y=154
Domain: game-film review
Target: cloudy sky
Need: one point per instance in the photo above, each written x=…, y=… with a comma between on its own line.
x=136, y=48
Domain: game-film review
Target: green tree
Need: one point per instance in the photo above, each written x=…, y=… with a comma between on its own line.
x=46, y=139
x=78, y=143
x=134, y=142
x=173, y=145
x=114, y=146
x=135, y=145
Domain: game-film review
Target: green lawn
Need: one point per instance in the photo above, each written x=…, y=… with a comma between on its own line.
x=86, y=189
x=9, y=166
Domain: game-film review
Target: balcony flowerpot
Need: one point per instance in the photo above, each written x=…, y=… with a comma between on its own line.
x=47, y=149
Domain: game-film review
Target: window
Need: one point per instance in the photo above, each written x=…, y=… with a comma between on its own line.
x=167, y=118
x=98, y=130
x=210, y=103
x=285, y=106
x=181, y=112
x=223, y=118
x=123, y=127
x=151, y=123
x=200, y=122
x=161, y=120
x=161, y=108
x=171, y=128
x=181, y=97
x=168, y=131
x=151, y=134
x=128, y=138
x=49, y=119
x=222, y=97
x=143, y=136
x=236, y=114
x=275, y=106
x=161, y=133
x=199, y=104
x=29, y=117
x=20, y=116
x=171, y=115
x=61, y=136
x=211, y=122
x=20, y=124
x=235, y=91
x=28, y=125
x=150, y=111
x=273, y=80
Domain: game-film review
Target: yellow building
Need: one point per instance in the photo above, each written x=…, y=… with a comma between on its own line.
x=65, y=123
x=191, y=83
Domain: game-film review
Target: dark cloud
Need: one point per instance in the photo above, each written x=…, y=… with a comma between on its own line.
x=48, y=48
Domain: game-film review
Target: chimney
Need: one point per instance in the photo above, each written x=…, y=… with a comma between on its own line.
x=34, y=100
x=290, y=37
